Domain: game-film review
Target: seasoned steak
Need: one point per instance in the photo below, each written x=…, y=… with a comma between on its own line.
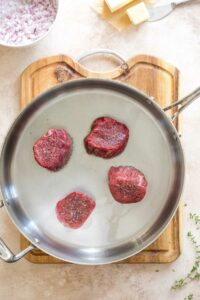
x=53, y=149
x=127, y=184
x=107, y=138
x=73, y=210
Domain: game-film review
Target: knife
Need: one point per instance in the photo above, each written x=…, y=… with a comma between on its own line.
x=159, y=12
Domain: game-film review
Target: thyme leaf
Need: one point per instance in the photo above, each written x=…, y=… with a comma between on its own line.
x=189, y=297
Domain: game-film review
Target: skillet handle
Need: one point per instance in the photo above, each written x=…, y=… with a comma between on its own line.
x=123, y=65
x=7, y=255
x=184, y=102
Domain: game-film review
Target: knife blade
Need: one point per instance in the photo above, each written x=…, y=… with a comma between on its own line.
x=157, y=13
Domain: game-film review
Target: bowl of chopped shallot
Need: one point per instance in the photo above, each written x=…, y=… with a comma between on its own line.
x=25, y=22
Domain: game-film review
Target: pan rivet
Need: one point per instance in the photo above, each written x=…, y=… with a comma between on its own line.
x=7, y=201
x=149, y=101
x=152, y=98
x=36, y=241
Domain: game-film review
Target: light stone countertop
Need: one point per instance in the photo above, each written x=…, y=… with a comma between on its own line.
x=175, y=39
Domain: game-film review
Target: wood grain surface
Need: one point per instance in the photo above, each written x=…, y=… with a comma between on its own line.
x=149, y=74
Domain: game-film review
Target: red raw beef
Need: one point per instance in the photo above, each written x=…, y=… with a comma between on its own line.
x=53, y=149
x=107, y=138
x=127, y=184
x=73, y=210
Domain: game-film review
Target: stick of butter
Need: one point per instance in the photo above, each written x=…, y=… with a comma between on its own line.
x=138, y=13
x=116, y=4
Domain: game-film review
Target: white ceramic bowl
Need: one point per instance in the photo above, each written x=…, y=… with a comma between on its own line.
x=30, y=43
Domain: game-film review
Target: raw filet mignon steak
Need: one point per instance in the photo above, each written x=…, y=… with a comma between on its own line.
x=127, y=184
x=107, y=138
x=73, y=210
x=53, y=149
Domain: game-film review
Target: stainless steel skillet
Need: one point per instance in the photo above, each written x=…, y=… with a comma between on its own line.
x=114, y=231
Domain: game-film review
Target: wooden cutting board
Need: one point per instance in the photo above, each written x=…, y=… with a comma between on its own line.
x=149, y=74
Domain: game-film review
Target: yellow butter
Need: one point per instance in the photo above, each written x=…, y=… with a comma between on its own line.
x=138, y=13
x=116, y=4
x=150, y=1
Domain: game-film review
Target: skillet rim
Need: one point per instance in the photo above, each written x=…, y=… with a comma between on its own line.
x=138, y=96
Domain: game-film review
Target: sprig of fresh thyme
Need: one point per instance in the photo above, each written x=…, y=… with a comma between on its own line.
x=195, y=218
x=194, y=273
